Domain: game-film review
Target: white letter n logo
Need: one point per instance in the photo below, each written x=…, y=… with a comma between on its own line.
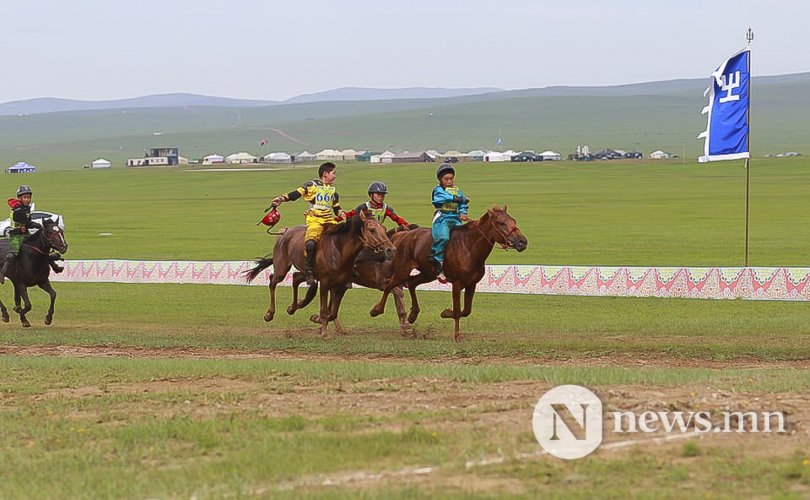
x=567, y=421
x=561, y=412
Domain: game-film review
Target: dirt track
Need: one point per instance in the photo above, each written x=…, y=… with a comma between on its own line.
x=640, y=361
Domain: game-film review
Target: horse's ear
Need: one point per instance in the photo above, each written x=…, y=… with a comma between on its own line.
x=505, y=207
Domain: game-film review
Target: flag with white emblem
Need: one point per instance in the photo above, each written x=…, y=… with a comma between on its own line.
x=729, y=99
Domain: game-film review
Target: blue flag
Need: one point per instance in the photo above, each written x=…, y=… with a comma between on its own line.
x=729, y=100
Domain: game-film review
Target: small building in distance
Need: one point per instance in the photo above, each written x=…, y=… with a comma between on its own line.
x=659, y=155
x=21, y=167
x=304, y=157
x=161, y=157
x=413, y=157
x=550, y=156
x=101, y=163
x=213, y=159
x=278, y=157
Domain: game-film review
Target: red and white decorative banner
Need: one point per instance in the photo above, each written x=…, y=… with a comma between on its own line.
x=754, y=283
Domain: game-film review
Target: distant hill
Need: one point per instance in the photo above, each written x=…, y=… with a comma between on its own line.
x=372, y=94
x=54, y=105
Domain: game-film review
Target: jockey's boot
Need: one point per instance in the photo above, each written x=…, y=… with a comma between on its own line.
x=310, y=264
x=9, y=261
x=438, y=269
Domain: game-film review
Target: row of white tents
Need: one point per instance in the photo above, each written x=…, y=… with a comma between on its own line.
x=351, y=155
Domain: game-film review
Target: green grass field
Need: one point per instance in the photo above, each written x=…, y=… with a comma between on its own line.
x=183, y=390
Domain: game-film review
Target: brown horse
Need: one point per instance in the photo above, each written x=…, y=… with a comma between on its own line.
x=466, y=253
x=334, y=261
x=371, y=271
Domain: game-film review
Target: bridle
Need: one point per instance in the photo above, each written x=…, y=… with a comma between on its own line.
x=505, y=246
x=374, y=248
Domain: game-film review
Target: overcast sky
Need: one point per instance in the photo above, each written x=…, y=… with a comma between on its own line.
x=268, y=49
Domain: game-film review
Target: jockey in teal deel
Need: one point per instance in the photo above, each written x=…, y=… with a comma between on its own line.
x=451, y=211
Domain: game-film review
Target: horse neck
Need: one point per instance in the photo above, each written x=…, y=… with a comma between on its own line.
x=479, y=241
x=347, y=244
x=38, y=247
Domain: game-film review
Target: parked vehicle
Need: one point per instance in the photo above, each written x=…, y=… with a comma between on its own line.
x=36, y=216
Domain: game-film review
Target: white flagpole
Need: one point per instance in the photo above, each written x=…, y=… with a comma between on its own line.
x=750, y=37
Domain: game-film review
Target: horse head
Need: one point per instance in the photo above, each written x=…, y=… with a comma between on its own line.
x=504, y=229
x=375, y=238
x=54, y=236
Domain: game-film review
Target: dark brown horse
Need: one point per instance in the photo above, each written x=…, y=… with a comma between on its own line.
x=334, y=261
x=466, y=253
x=371, y=271
x=33, y=268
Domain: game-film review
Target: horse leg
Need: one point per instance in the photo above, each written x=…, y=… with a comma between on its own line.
x=468, y=300
x=335, y=308
x=324, y=311
x=23, y=292
x=298, y=278
x=4, y=312
x=400, y=304
x=414, y=282
x=52, y=293
x=278, y=277
x=456, y=312
x=311, y=291
x=379, y=308
x=316, y=318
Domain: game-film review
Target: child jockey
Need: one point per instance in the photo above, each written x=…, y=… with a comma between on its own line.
x=324, y=207
x=377, y=208
x=451, y=210
x=20, y=224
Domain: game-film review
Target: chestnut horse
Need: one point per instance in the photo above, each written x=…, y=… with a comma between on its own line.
x=334, y=261
x=466, y=253
x=371, y=271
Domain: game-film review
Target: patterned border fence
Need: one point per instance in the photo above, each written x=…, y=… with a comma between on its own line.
x=759, y=283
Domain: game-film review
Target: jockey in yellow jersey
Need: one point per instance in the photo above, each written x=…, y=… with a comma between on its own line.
x=324, y=208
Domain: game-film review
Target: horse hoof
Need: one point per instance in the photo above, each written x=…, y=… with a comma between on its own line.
x=268, y=317
x=315, y=319
x=457, y=337
x=412, y=317
x=26, y=324
x=5, y=318
x=17, y=309
x=291, y=310
x=447, y=313
x=375, y=311
x=48, y=320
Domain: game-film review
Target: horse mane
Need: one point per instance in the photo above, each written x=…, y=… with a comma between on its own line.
x=351, y=225
x=477, y=222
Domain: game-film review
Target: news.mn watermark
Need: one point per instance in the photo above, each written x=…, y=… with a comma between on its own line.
x=568, y=422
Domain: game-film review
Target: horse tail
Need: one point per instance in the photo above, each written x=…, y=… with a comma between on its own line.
x=261, y=264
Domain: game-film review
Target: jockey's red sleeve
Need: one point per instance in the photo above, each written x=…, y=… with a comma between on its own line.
x=389, y=212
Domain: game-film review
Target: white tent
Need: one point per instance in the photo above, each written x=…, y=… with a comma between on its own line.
x=659, y=155
x=279, y=157
x=304, y=157
x=240, y=158
x=329, y=155
x=550, y=156
x=349, y=154
x=508, y=154
x=101, y=163
x=211, y=159
x=494, y=156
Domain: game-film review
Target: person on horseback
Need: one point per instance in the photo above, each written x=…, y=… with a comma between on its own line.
x=451, y=211
x=377, y=208
x=20, y=224
x=324, y=208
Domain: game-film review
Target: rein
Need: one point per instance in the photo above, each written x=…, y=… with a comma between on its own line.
x=37, y=249
x=505, y=246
